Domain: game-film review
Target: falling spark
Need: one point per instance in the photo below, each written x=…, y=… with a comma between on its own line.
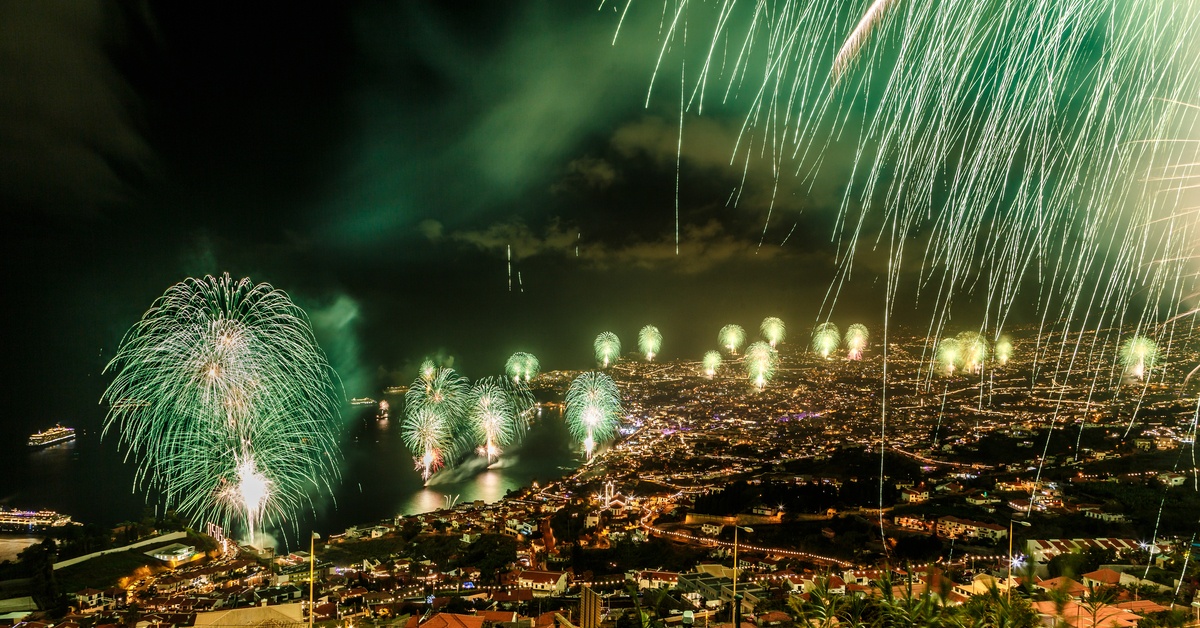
x=235, y=415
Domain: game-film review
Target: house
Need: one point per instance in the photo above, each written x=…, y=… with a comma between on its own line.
x=981, y=499
x=1172, y=479
x=656, y=579
x=769, y=564
x=173, y=553
x=543, y=582
x=983, y=583
x=711, y=529
x=863, y=577
x=498, y=617
x=799, y=584
x=454, y=620
x=1107, y=517
x=1041, y=551
x=1064, y=584
x=1081, y=616
x=89, y=599
x=911, y=522
x=956, y=528
x=949, y=487
x=914, y=495
x=706, y=585
x=1113, y=578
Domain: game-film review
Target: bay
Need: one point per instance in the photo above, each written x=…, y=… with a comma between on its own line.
x=89, y=479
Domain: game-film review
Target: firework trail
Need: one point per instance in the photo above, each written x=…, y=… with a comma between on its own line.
x=522, y=367
x=987, y=125
x=855, y=341
x=1036, y=152
x=937, y=430
x=973, y=351
x=427, y=433
x=761, y=360
x=226, y=403
x=607, y=347
x=649, y=341
x=1004, y=349
x=773, y=330
x=948, y=356
x=435, y=405
x=1138, y=355
x=427, y=371
x=522, y=400
x=731, y=337
x=712, y=362
x=1044, y=146
x=492, y=418
x=826, y=339
x=593, y=408
x=443, y=390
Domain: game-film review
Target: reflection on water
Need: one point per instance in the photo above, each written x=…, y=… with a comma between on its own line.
x=10, y=546
x=89, y=480
x=380, y=481
x=424, y=500
x=489, y=485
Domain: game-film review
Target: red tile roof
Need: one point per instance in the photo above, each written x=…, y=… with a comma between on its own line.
x=497, y=616
x=543, y=577
x=453, y=620
x=1107, y=576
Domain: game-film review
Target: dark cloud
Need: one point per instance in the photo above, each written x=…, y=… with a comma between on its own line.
x=375, y=161
x=701, y=247
x=586, y=174
x=69, y=121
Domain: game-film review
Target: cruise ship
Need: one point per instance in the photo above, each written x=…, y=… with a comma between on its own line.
x=22, y=520
x=56, y=434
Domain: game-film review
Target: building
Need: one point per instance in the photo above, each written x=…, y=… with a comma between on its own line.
x=590, y=608
x=543, y=583
x=911, y=522
x=1121, y=615
x=956, y=528
x=1041, y=551
x=1172, y=479
x=656, y=579
x=454, y=620
x=173, y=553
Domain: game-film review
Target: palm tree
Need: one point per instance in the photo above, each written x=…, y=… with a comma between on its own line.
x=993, y=610
x=1096, y=598
x=822, y=608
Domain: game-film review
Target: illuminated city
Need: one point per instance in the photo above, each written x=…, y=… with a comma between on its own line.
x=606, y=315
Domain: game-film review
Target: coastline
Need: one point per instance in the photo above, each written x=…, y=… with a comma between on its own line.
x=12, y=544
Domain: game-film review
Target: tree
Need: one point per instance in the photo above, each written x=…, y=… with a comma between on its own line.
x=1069, y=564
x=997, y=610
x=1096, y=598
x=39, y=562
x=822, y=610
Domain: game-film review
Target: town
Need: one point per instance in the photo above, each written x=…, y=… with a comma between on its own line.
x=726, y=505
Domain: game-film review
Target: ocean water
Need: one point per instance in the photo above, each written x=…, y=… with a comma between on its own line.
x=89, y=479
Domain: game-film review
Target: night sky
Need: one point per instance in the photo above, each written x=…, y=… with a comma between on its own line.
x=375, y=160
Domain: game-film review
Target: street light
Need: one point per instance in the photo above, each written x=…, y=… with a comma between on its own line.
x=1008, y=584
x=737, y=604
x=312, y=563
